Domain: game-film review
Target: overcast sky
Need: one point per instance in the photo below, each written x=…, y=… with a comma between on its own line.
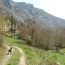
x=54, y=7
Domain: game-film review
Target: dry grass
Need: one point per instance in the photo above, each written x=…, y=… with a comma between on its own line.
x=2, y=53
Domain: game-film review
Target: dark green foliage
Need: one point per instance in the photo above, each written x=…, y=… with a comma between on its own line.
x=13, y=25
x=29, y=42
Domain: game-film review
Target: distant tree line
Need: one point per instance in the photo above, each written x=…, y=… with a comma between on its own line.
x=37, y=36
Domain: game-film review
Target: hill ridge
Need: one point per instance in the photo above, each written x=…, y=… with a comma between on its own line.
x=22, y=10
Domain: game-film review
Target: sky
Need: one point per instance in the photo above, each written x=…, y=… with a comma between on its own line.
x=54, y=7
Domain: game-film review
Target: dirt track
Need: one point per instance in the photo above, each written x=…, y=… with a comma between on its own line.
x=7, y=57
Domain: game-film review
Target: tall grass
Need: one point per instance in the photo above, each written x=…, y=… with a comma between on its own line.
x=2, y=53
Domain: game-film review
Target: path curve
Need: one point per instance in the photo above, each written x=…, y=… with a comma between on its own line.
x=22, y=59
x=6, y=58
x=58, y=63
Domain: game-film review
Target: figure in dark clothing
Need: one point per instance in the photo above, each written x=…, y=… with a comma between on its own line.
x=10, y=51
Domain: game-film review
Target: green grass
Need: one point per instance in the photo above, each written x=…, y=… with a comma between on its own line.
x=15, y=58
x=12, y=40
x=35, y=56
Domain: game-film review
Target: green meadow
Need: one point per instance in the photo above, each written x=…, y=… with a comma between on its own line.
x=35, y=56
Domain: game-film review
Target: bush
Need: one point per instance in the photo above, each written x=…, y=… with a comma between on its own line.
x=29, y=42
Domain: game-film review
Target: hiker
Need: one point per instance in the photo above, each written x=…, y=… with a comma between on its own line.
x=10, y=51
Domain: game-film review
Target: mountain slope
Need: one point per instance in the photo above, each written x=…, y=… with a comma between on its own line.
x=22, y=10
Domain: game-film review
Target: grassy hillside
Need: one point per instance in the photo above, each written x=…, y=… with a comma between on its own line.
x=36, y=56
